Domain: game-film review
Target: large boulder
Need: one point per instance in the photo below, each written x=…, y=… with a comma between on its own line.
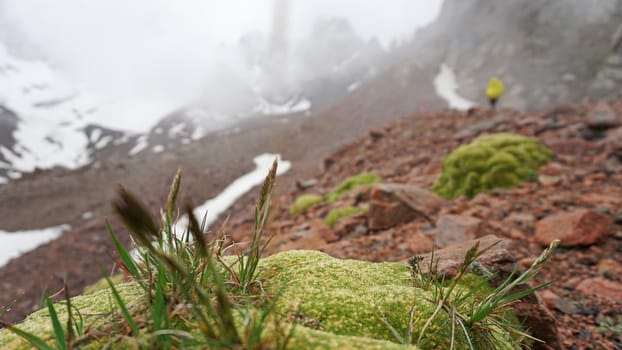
x=577, y=227
x=394, y=204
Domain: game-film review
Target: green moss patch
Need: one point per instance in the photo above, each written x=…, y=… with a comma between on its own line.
x=337, y=214
x=350, y=298
x=335, y=304
x=347, y=185
x=501, y=160
x=304, y=203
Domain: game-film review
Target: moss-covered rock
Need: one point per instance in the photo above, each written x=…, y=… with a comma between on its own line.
x=501, y=160
x=339, y=304
x=363, y=179
x=303, y=203
x=103, y=284
x=337, y=214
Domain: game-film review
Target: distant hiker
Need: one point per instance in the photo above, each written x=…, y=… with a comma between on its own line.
x=494, y=91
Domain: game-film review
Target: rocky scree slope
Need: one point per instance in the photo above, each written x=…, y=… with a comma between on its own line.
x=581, y=188
x=547, y=52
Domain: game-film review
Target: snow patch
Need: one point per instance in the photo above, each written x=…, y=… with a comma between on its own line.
x=176, y=130
x=95, y=135
x=3, y=180
x=198, y=133
x=219, y=204
x=87, y=215
x=53, y=114
x=103, y=142
x=141, y=144
x=446, y=86
x=292, y=106
x=354, y=86
x=14, y=244
x=157, y=149
x=14, y=174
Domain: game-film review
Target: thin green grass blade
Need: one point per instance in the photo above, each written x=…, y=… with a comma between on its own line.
x=70, y=331
x=6, y=309
x=59, y=334
x=172, y=196
x=29, y=337
x=160, y=316
x=123, y=253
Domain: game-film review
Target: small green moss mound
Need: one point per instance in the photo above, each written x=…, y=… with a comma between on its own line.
x=304, y=203
x=350, y=183
x=501, y=160
x=337, y=214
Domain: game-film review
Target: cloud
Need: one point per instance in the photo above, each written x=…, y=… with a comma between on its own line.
x=160, y=53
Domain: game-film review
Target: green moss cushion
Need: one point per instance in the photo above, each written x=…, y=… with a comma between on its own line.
x=304, y=202
x=337, y=304
x=501, y=160
x=350, y=183
x=339, y=213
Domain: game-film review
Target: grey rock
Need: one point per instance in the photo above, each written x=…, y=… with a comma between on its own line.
x=614, y=60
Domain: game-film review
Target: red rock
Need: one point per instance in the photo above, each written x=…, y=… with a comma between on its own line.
x=453, y=229
x=601, y=287
x=603, y=117
x=417, y=242
x=570, y=146
x=546, y=180
x=609, y=268
x=549, y=298
x=598, y=199
x=554, y=301
x=527, y=262
x=551, y=169
x=578, y=227
x=395, y=204
x=524, y=220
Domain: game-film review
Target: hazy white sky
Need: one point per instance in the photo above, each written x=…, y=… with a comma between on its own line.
x=140, y=48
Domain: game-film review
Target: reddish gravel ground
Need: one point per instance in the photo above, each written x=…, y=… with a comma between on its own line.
x=586, y=174
x=586, y=295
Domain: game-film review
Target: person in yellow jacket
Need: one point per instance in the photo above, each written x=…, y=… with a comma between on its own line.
x=494, y=90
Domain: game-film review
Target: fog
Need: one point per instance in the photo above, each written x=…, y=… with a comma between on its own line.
x=145, y=58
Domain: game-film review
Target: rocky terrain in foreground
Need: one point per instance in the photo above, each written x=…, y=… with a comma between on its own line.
x=576, y=197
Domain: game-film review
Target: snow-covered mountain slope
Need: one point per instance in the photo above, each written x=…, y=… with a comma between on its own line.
x=47, y=121
x=44, y=121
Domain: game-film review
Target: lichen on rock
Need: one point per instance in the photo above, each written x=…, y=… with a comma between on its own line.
x=502, y=160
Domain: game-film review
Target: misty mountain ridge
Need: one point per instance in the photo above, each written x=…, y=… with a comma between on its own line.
x=49, y=122
x=546, y=52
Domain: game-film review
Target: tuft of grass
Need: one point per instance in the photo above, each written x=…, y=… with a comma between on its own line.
x=347, y=185
x=482, y=321
x=193, y=295
x=337, y=214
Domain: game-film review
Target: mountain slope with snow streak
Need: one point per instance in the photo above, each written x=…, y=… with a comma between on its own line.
x=44, y=118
